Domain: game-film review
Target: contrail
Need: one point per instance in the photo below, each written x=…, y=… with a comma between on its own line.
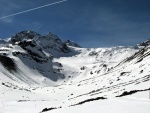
x=33, y=9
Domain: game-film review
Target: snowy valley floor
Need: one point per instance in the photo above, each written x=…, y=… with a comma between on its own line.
x=113, y=105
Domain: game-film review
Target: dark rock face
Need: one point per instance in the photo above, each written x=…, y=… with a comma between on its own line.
x=48, y=109
x=125, y=93
x=8, y=63
x=27, y=43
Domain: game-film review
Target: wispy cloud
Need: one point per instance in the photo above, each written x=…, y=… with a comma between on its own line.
x=6, y=20
x=7, y=7
x=32, y=9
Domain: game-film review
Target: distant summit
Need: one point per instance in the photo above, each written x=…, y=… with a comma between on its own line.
x=71, y=43
x=144, y=44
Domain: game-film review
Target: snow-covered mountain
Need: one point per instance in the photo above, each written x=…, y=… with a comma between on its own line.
x=42, y=73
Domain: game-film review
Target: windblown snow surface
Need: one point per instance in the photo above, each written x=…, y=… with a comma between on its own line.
x=43, y=74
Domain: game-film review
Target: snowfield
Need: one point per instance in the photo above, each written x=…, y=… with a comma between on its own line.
x=113, y=105
x=43, y=74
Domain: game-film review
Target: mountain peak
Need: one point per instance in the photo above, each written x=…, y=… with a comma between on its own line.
x=23, y=35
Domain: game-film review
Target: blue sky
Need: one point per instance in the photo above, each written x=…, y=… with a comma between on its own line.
x=91, y=23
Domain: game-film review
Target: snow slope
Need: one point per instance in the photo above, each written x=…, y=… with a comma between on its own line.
x=42, y=73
